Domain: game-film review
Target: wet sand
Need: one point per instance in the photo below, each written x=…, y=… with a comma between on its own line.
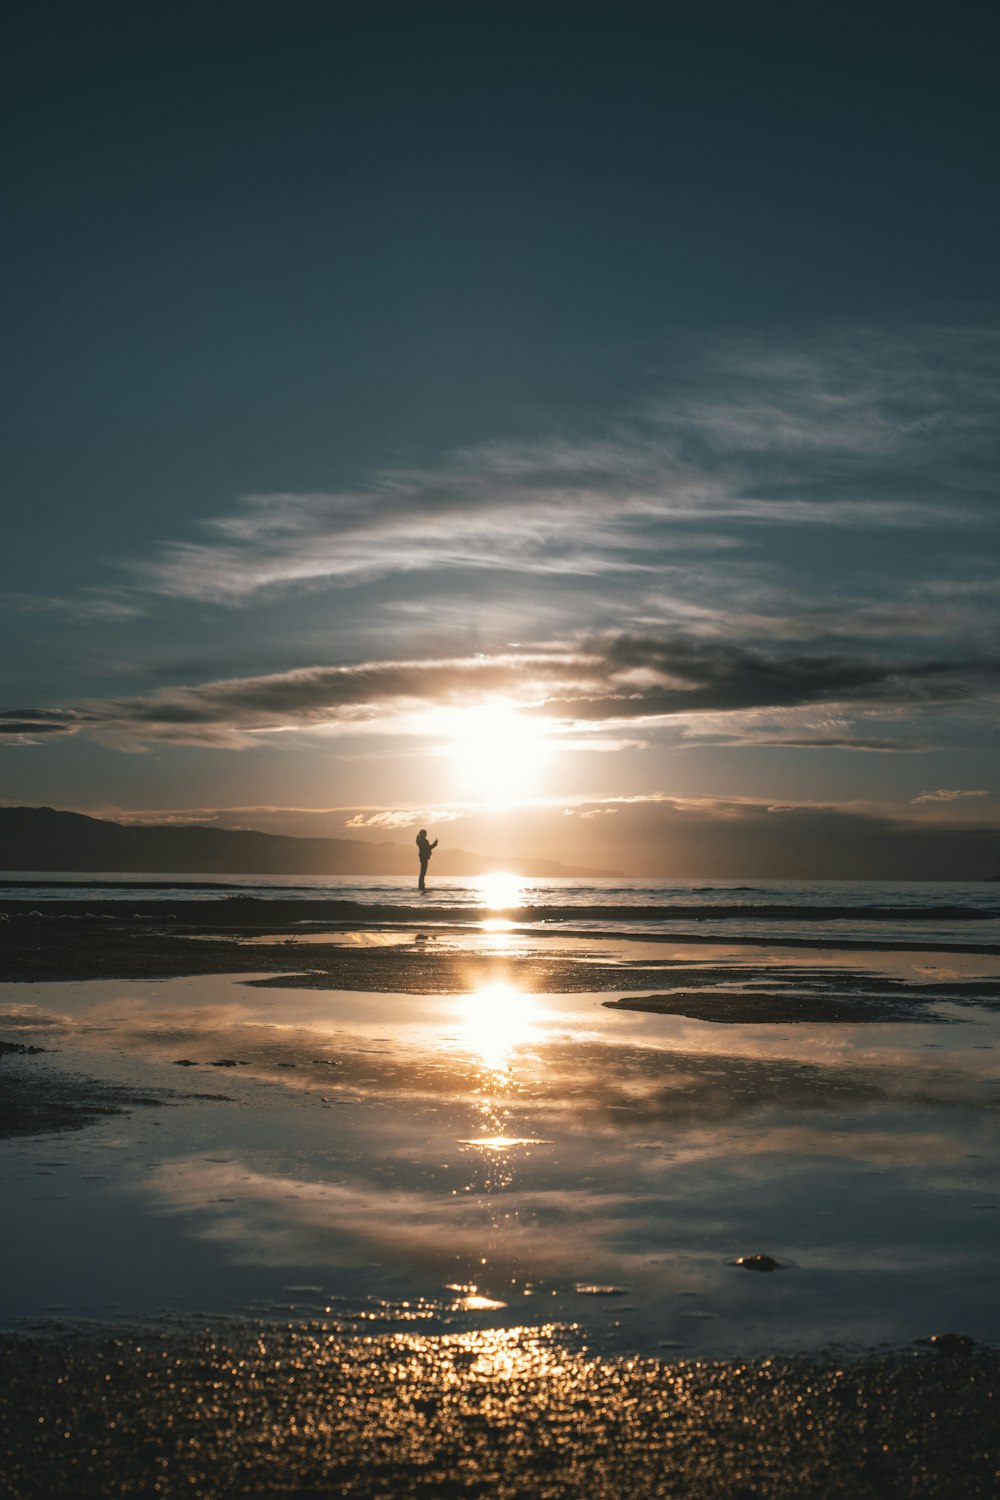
x=64, y=940
x=772, y=1008
x=73, y=941
x=292, y=1405
x=231, y=1412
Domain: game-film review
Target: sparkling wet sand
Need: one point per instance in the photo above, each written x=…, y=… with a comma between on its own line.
x=437, y=1399
x=288, y=1412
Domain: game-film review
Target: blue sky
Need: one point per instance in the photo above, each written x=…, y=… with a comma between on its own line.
x=534, y=418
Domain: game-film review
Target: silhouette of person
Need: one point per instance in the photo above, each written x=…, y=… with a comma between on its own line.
x=424, y=849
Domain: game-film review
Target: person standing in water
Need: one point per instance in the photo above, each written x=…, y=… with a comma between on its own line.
x=424, y=849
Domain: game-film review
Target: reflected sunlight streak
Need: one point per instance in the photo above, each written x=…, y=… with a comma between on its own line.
x=503, y=1142
x=499, y=891
x=496, y=1020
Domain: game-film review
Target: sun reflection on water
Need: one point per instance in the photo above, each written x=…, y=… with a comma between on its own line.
x=503, y=1142
x=495, y=1021
x=499, y=890
x=471, y=1299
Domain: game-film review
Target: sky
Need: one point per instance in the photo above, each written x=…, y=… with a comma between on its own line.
x=570, y=427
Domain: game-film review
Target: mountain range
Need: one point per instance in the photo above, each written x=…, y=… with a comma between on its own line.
x=42, y=838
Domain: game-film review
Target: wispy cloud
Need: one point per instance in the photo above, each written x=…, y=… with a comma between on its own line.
x=28, y=726
x=849, y=431
x=645, y=676
x=89, y=604
x=948, y=794
x=745, y=544
x=402, y=818
x=868, y=743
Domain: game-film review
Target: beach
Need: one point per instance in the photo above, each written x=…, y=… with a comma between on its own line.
x=299, y=1412
x=500, y=833
x=334, y=1194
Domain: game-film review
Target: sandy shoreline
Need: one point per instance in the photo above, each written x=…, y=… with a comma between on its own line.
x=52, y=943
x=227, y=1407
x=125, y=935
x=228, y=1412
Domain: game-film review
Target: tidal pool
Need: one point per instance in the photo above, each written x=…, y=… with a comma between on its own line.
x=505, y=1158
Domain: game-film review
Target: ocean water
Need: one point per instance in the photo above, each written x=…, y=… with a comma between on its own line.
x=854, y=910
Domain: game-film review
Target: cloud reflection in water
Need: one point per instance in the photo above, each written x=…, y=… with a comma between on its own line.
x=512, y=1143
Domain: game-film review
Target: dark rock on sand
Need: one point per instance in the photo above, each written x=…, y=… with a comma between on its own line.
x=758, y=1008
x=758, y=1263
x=34, y=1103
x=18, y=1049
x=952, y=1343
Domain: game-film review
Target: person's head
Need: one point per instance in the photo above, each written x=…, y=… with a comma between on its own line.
x=422, y=834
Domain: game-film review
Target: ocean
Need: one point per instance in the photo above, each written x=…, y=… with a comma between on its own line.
x=893, y=912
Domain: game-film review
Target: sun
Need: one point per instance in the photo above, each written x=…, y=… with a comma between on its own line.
x=499, y=753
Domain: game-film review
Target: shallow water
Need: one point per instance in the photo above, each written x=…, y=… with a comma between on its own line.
x=506, y=1158
x=909, y=911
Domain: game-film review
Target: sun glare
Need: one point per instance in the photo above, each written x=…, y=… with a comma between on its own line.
x=499, y=891
x=499, y=753
x=495, y=1021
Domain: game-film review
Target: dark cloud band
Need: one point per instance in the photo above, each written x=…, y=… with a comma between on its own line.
x=628, y=677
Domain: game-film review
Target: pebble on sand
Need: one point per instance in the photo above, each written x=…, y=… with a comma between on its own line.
x=758, y=1263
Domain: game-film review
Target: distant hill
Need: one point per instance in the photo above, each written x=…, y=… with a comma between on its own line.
x=41, y=838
